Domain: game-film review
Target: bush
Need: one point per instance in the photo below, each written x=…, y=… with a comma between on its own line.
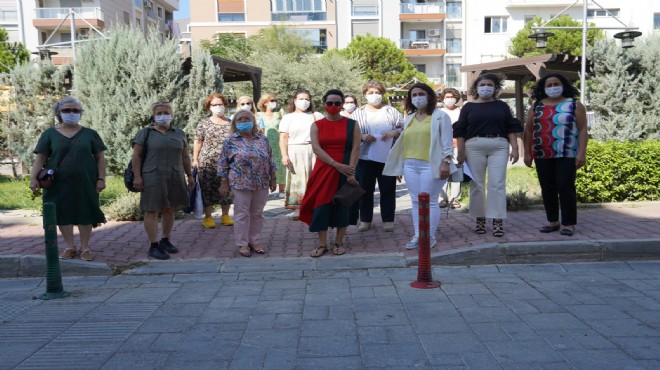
x=618, y=172
x=124, y=208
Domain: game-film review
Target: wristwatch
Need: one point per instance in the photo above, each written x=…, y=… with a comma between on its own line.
x=448, y=161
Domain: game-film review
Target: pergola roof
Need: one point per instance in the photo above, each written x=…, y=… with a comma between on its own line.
x=234, y=72
x=531, y=68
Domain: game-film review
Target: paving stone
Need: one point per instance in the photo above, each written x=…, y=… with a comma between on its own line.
x=280, y=359
x=622, y=327
x=174, y=267
x=457, y=289
x=487, y=314
x=134, y=360
x=389, y=355
x=285, y=306
x=331, y=345
x=528, y=351
x=330, y=363
x=60, y=356
x=438, y=344
x=323, y=328
x=479, y=361
x=271, y=339
x=640, y=348
x=600, y=359
x=184, y=278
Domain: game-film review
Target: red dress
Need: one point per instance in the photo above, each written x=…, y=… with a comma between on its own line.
x=317, y=210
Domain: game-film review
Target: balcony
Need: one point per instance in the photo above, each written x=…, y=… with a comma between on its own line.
x=50, y=18
x=431, y=12
x=537, y=3
x=298, y=16
x=8, y=16
x=422, y=47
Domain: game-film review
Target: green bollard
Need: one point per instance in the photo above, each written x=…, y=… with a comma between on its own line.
x=54, y=288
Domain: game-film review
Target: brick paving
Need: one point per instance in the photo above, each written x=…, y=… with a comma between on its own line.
x=121, y=243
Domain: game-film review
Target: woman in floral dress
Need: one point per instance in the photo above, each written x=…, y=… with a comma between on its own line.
x=209, y=136
x=268, y=118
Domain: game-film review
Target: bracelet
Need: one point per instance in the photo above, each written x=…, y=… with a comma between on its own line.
x=333, y=163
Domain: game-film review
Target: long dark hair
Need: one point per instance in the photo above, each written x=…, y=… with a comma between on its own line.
x=291, y=107
x=432, y=99
x=497, y=80
x=538, y=92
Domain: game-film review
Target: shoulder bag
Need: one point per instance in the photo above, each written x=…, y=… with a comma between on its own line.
x=46, y=176
x=129, y=174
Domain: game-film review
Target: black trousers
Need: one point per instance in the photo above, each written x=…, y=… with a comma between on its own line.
x=557, y=179
x=369, y=173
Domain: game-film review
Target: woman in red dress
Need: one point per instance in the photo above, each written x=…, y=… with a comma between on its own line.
x=336, y=144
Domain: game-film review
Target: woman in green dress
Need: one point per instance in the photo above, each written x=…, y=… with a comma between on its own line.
x=76, y=154
x=268, y=119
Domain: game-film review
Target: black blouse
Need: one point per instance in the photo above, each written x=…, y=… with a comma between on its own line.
x=489, y=118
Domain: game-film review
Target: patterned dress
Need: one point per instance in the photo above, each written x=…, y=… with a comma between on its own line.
x=212, y=135
x=555, y=130
x=273, y=134
x=74, y=189
x=246, y=163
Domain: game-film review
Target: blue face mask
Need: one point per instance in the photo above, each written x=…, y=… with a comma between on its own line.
x=244, y=126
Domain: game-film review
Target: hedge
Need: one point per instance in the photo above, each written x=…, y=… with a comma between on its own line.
x=620, y=171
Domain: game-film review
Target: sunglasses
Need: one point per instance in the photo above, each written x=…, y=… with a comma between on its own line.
x=273, y=101
x=68, y=110
x=335, y=103
x=244, y=104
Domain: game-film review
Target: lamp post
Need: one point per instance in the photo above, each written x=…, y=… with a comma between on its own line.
x=627, y=37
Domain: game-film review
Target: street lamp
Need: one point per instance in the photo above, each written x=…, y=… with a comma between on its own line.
x=627, y=36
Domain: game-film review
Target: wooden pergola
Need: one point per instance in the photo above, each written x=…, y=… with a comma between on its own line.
x=234, y=72
x=523, y=70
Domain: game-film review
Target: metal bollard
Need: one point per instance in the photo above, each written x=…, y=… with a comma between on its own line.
x=424, y=275
x=54, y=288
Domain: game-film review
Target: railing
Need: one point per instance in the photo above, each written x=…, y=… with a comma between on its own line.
x=61, y=13
x=364, y=10
x=298, y=16
x=8, y=16
x=426, y=8
x=432, y=44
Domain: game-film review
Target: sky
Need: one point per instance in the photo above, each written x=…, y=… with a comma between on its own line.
x=184, y=10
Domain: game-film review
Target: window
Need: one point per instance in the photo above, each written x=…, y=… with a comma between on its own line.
x=495, y=24
x=528, y=18
x=298, y=10
x=317, y=37
x=454, y=45
x=595, y=13
x=453, y=74
x=8, y=15
x=454, y=9
x=656, y=21
x=231, y=11
x=417, y=34
x=127, y=18
x=160, y=12
x=364, y=10
x=420, y=67
x=231, y=17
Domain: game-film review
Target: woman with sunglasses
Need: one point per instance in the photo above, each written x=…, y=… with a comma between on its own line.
x=269, y=118
x=296, y=146
x=76, y=154
x=336, y=143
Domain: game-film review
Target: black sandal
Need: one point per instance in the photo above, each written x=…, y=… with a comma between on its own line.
x=481, y=225
x=319, y=251
x=498, y=230
x=338, y=249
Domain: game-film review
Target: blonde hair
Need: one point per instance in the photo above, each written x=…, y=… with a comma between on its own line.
x=264, y=100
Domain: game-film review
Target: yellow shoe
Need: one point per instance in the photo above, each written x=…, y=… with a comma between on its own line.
x=208, y=222
x=226, y=220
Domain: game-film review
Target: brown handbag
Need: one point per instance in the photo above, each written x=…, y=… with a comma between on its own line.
x=348, y=194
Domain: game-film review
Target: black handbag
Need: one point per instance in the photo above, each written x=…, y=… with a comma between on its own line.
x=46, y=176
x=348, y=194
x=129, y=174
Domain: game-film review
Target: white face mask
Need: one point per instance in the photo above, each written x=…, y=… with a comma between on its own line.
x=349, y=107
x=163, y=120
x=554, y=91
x=70, y=118
x=272, y=105
x=218, y=110
x=449, y=102
x=374, y=99
x=420, y=101
x=247, y=107
x=302, y=104
x=485, y=91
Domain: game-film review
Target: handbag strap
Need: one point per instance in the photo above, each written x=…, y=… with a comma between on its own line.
x=66, y=150
x=144, y=147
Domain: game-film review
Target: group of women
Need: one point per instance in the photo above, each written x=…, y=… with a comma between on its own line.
x=309, y=156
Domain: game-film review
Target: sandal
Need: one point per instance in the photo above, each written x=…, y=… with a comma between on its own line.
x=498, y=230
x=319, y=251
x=444, y=203
x=245, y=253
x=481, y=225
x=256, y=248
x=69, y=253
x=454, y=204
x=338, y=249
x=86, y=255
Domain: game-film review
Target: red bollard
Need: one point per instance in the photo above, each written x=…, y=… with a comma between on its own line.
x=424, y=275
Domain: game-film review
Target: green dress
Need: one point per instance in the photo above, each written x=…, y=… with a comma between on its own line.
x=74, y=189
x=272, y=129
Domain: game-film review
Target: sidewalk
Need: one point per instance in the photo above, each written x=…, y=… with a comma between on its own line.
x=287, y=315
x=121, y=243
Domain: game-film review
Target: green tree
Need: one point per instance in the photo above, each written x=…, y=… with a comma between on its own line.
x=563, y=42
x=623, y=90
x=228, y=46
x=204, y=78
x=11, y=53
x=280, y=39
x=380, y=59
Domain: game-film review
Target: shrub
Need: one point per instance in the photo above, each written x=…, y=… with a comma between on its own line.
x=124, y=208
x=620, y=171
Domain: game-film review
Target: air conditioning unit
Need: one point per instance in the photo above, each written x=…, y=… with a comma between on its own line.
x=433, y=32
x=149, y=5
x=84, y=33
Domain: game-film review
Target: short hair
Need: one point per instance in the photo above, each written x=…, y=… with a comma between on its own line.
x=333, y=92
x=497, y=80
x=159, y=104
x=242, y=113
x=432, y=98
x=538, y=91
x=215, y=95
x=238, y=104
x=291, y=106
x=264, y=100
x=57, y=107
x=373, y=84
x=355, y=98
x=452, y=91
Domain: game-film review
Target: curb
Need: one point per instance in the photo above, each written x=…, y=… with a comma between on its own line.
x=12, y=266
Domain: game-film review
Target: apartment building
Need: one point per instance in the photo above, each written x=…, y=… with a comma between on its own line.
x=9, y=19
x=39, y=21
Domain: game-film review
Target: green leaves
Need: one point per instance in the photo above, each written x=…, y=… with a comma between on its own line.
x=11, y=53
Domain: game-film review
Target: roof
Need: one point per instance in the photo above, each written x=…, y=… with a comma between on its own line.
x=234, y=72
x=531, y=67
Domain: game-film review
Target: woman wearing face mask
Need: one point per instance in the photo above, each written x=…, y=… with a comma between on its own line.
x=486, y=138
x=209, y=136
x=351, y=102
x=247, y=169
x=556, y=139
x=245, y=103
x=161, y=177
x=336, y=142
x=76, y=154
x=452, y=196
x=423, y=154
x=296, y=146
x=269, y=118
x=380, y=125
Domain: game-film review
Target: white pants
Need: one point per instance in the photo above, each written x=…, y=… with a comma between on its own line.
x=419, y=179
x=487, y=153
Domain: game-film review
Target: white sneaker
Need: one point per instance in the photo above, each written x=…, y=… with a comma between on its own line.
x=413, y=243
x=388, y=227
x=364, y=226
